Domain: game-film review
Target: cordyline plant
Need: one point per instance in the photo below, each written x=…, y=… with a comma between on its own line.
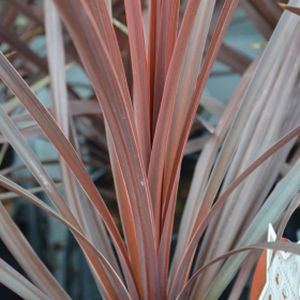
x=245, y=177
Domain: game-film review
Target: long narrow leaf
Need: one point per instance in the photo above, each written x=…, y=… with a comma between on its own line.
x=186, y=258
x=92, y=253
x=141, y=90
x=80, y=208
x=26, y=257
x=49, y=126
x=117, y=110
x=19, y=284
x=279, y=246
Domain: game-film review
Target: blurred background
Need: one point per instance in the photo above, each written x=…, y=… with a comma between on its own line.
x=22, y=39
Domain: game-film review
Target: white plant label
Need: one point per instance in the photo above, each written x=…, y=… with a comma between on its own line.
x=282, y=274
